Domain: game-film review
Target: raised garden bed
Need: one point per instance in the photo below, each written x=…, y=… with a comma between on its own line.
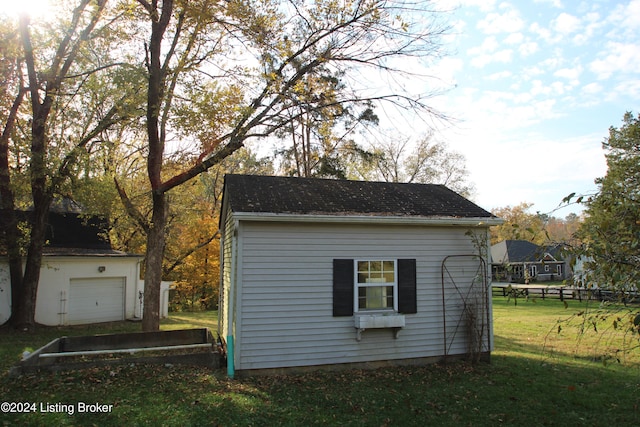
x=185, y=347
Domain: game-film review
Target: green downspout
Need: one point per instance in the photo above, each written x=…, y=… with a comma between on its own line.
x=231, y=369
x=230, y=365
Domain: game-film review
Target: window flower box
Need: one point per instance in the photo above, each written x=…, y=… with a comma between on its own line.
x=373, y=321
x=378, y=321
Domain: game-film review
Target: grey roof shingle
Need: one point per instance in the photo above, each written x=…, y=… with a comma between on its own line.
x=291, y=195
x=509, y=251
x=519, y=251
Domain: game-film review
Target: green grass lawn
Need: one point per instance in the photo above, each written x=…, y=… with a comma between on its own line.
x=537, y=377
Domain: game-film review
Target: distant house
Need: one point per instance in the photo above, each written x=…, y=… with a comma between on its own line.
x=82, y=279
x=323, y=272
x=522, y=261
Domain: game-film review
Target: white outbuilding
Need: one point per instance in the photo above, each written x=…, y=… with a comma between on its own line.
x=82, y=279
x=320, y=272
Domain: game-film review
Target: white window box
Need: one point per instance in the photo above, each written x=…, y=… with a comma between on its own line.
x=371, y=321
x=378, y=321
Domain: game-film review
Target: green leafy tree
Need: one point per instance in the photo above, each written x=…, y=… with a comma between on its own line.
x=609, y=235
x=611, y=229
x=55, y=126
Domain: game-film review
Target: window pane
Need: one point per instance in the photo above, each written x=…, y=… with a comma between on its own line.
x=362, y=298
x=363, y=271
x=376, y=272
x=389, y=295
x=375, y=297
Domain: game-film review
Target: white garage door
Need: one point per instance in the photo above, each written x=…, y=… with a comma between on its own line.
x=96, y=300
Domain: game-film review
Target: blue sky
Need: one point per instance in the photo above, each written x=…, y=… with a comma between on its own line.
x=537, y=86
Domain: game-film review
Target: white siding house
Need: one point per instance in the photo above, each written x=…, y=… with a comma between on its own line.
x=325, y=272
x=82, y=279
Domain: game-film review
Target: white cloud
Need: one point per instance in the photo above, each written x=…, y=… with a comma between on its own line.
x=483, y=5
x=542, y=32
x=532, y=71
x=630, y=88
x=554, y=3
x=592, y=22
x=446, y=69
x=625, y=19
x=618, y=57
x=554, y=61
x=559, y=88
x=538, y=87
x=528, y=48
x=508, y=22
x=514, y=38
x=593, y=88
x=487, y=53
x=578, y=160
x=566, y=24
x=500, y=75
x=522, y=97
x=490, y=44
x=571, y=74
x=502, y=56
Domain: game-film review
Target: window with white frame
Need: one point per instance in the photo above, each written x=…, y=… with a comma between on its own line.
x=385, y=285
x=559, y=269
x=376, y=285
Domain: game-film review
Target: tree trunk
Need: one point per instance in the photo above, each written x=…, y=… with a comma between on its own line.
x=156, y=135
x=26, y=309
x=153, y=267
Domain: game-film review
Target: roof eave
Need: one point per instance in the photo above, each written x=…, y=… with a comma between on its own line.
x=369, y=219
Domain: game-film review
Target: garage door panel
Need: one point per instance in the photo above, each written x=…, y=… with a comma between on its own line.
x=96, y=300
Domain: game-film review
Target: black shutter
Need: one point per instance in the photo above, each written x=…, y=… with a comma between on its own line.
x=342, y=287
x=407, y=302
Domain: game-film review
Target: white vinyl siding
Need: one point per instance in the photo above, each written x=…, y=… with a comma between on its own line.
x=226, y=261
x=285, y=293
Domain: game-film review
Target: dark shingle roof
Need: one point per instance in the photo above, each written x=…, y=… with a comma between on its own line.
x=289, y=195
x=522, y=251
x=72, y=234
x=71, y=230
x=514, y=251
